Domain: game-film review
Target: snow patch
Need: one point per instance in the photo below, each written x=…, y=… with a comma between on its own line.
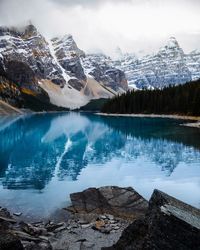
x=64, y=74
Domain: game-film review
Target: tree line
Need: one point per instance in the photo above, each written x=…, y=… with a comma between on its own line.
x=182, y=99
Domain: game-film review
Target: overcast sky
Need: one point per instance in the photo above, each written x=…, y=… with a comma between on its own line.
x=133, y=25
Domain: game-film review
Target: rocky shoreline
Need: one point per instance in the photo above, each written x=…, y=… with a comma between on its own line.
x=108, y=218
x=192, y=124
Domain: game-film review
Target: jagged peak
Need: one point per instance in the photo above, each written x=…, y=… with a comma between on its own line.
x=172, y=43
x=194, y=52
x=68, y=37
x=65, y=38
x=4, y=30
x=67, y=42
x=28, y=30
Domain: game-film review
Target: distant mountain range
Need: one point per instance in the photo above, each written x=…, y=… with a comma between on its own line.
x=170, y=65
x=56, y=72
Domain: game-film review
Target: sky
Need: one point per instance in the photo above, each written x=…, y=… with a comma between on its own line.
x=139, y=26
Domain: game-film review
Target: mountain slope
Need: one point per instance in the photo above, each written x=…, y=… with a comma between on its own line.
x=169, y=66
x=50, y=70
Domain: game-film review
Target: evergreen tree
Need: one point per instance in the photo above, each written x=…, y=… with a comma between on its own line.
x=182, y=99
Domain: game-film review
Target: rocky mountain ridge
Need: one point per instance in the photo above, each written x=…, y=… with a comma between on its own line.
x=53, y=70
x=56, y=73
x=169, y=66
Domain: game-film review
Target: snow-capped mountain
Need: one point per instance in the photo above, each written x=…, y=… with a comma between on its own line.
x=54, y=70
x=98, y=66
x=170, y=65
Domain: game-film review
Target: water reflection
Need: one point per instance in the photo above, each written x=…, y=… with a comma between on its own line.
x=57, y=154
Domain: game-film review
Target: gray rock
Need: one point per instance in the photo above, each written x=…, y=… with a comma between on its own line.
x=85, y=225
x=110, y=217
x=53, y=226
x=59, y=229
x=6, y=219
x=34, y=246
x=168, y=224
x=17, y=214
x=104, y=217
x=87, y=245
x=82, y=222
x=121, y=202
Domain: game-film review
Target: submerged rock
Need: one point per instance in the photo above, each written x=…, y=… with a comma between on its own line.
x=168, y=224
x=121, y=202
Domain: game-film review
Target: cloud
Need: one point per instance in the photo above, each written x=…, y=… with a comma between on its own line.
x=89, y=3
x=105, y=24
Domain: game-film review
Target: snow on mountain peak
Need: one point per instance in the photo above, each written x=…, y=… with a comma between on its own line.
x=169, y=66
x=30, y=30
x=172, y=43
x=67, y=44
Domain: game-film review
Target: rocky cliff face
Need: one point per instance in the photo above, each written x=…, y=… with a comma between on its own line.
x=98, y=66
x=53, y=70
x=170, y=65
x=56, y=71
x=30, y=48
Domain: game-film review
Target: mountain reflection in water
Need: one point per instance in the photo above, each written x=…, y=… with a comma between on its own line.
x=45, y=157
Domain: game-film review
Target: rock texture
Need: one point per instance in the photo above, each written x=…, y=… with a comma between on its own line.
x=168, y=224
x=170, y=65
x=9, y=242
x=98, y=66
x=121, y=202
x=86, y=231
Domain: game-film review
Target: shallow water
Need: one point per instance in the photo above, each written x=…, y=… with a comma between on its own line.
x=45, y=157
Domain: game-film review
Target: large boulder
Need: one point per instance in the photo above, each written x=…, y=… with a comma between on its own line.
x=121, y=202
x=168, y=224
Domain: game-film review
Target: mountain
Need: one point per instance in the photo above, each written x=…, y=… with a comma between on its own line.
x=43, y=74
x=52, y=71
x=169, y=66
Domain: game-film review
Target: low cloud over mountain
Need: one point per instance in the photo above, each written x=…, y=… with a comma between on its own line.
x=104, y=24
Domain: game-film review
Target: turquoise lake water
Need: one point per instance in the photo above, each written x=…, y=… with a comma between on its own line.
x=45, y=157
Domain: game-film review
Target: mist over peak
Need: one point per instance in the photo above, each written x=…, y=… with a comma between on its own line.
x=103, y=25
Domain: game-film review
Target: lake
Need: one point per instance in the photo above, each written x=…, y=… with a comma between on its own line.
x=45, y=157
